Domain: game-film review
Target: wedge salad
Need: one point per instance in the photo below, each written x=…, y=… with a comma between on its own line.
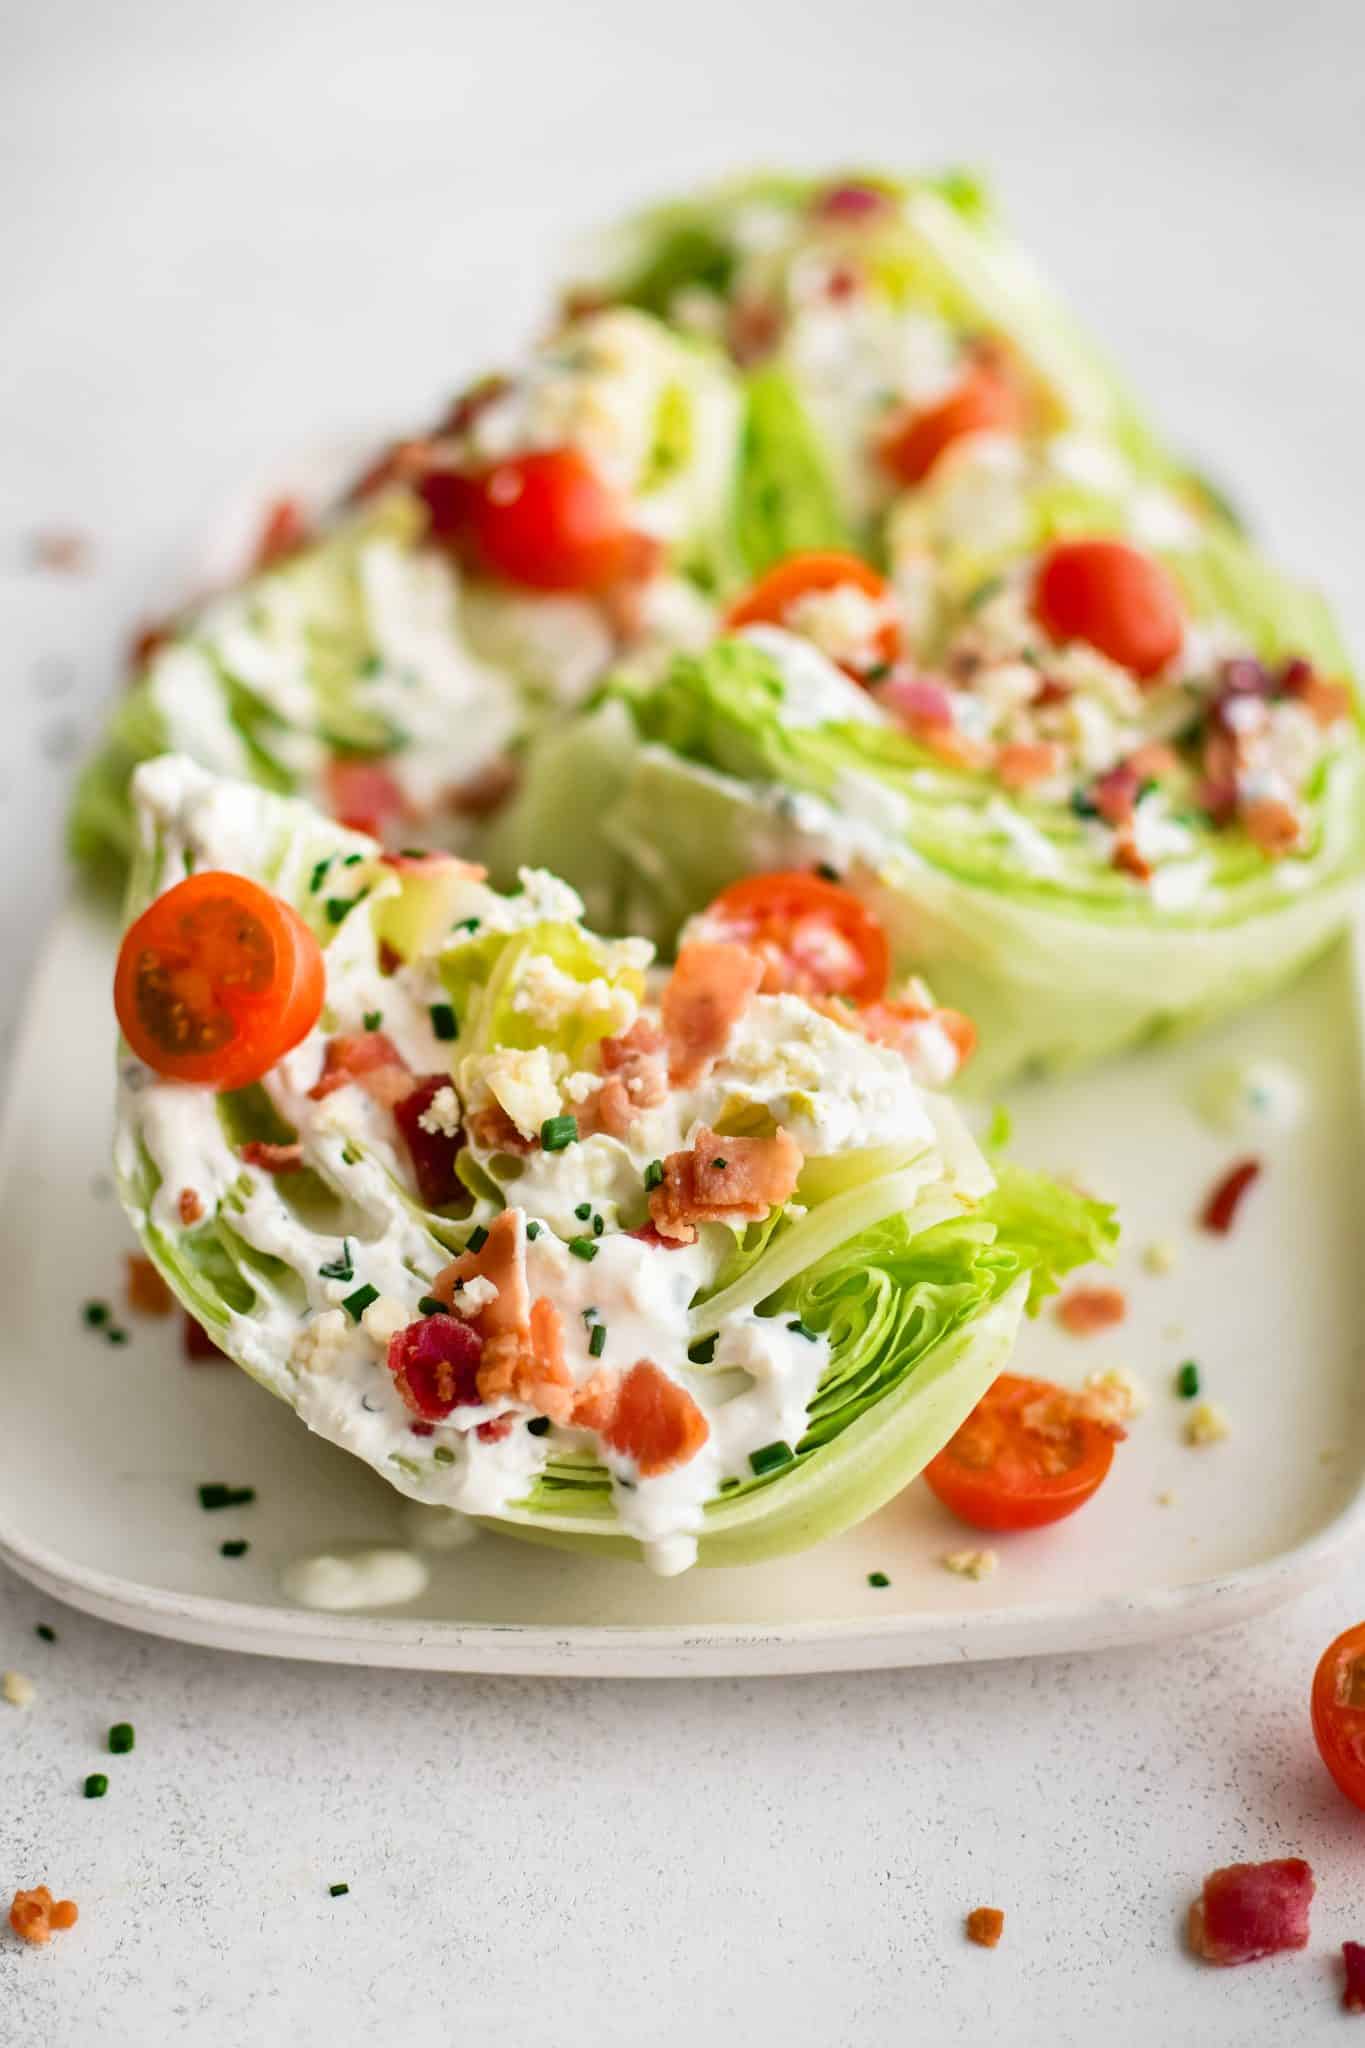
x=695, y=1265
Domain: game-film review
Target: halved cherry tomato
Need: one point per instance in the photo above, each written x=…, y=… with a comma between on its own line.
x=217, y=980
x=1022, y=1458
x=1339, y=1711
x=814, y=938
x=771, y=600
x=545, y=520
x=985, y=402
x=1113, y=596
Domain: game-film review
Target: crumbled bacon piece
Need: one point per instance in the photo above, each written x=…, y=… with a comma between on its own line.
x=1353, y=1959
x=1114, y=794
x=595, y=1402
x=1086, y=1309
x=190, y=1207
x=493, y=1130
x=148, y=1294
x=34, y=1914
x=147, y=640
x=364, y=795
x=1022, y=763
x=1130, y=862
x=435, y=1366
x=654, y=1421
x=985, y=1925
x=268, y=1158
x=1220, y=1210
x=1325, y=701
x=724, y=1180
x=901, y=1026
x=706, y=995
x=1276, y=827
x=433, y=1152
x=635, y=1070
x=372, y=1061
x=496, y=1430
x=199, y=1348
x=1249, y=1910
x=527, y=1364
x=62, y=550
x=754, y=327
x=284, y=530
x=401, y=463
x=1153, y=761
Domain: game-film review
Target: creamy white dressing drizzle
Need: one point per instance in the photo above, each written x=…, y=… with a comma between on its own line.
x=1253, y=1099
x=336, y=1583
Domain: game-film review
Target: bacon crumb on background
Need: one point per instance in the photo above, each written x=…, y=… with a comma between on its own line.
x=1249, y=1910
x=34, y=1914
x=985, y=1925
x=1353, y=1958
x=1086, y=1309
x=148, y=1294
x=1219, y=1212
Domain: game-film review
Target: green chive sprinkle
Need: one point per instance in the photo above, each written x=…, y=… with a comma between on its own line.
x=467, y=924
x=337, y=907
x=477, y=1239
x=371, y=665
x=337, y=1891
x=443, y=1021
x=770, y=1459
x=598, y=1226
x=412, y=852
x=583, y=1211
x=44, y=1633
x=116, y=1336
x=590, y=1315
x=878, y=673
x=96, y=1785
x=236, y=1546
x=558, y=1132
x=654, y=1173
x=703, y=1351
x=728, y=1485
x=597, y=1343
x=319, y=871
x=539, y=1425
x=373, y=1019
x=339, y=1268
x=1187, y=1380
x=1083, y=805
x=352, y=859
x=121, y=1738
x=719, y=1165
x=823, y=868
x=96, y=1314
x=216, y=1495
x=356, y=1304
x=443, y=1455
x=583, y=1248
x=533, y=1231
x=800, y=1329
x=878, y=1579
x=430, y=1306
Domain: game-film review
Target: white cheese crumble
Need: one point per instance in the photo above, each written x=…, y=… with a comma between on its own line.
x=18, y=1690
x=526, y=1084
x=970, y=1564
x=441, y=1117
x=1160, y=1257
x=321, y=1345
x=1207, y=1425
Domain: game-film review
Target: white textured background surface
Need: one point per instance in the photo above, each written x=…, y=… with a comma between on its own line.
x=227, y=231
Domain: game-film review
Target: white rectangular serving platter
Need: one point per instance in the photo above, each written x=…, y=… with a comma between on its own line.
x=102, y=1449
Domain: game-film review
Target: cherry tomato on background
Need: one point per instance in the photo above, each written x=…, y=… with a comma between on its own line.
x=986, y=401
x=1114, y=597
x=1003, y=1471
x=217, y=980
x=545, y=520
x=814, y=937
x=770, y=601
x=1338, y=1707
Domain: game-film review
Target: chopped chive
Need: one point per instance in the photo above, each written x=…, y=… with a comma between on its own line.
x=467, y=924
x=1187, y=1380
x=878, y=673
x=340, y=1268
x=430, y=1306
x=412, y=853
x=337, y=907
x=96, y=1785
x=319, y=871
x=356, y=1304
x=121, y=1738
x=597, y=1343
x=44, y=1633
x=770, y=1458
x=728, y=1485
x=477, y=1239
x=443, y=1454
x=558, y=1132
x=116, y=1336
x=1083, y=805
x=373, y=1019
x=822, y=867
x=236, y=1546
x=337, y=1891
x=95, y=1314
x=1001, y=1130
x=539, y=1425
x=1149, y=787
x=583, y=1248
x=443, y=1021
x=352, y=859
x=703, y=1351
x=371, y=665
x=583, y=1211
x=216, y=1495
x=654, y=1173
x=533, y=1231
x=590, y=1315
x=598, y=1226
x=800, y=1329
x=719, y=1165
x=878, y=1579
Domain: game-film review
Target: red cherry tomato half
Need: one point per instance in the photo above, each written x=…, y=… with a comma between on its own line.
x=1339, y=1711
x=544, y=520
x=985, y=402
x=217, y=980
x=1022, y=1458
x=772, y=599
x=1113, y=597
x=814, y=938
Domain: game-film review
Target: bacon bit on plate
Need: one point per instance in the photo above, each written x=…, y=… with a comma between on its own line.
x=985, y=1925
x=1276, y=827
x=1219, y=1212
x=705, y=997
x=190, y=1207
x=526, y=1363
x=1129, y=861
x=635, y=1067
x=493, y=1130
x=595, y=1402
x=433, y=1152
x=1115, y=794
x=1353, y=1960
x=481, y=794
x=1112, y=1399
x=364, y=795
x=372, y=1061
x=1086, y=1309
x=496, y=1430
x=34, y=1914
x=724, y=1180
x=268, y=1158
x=435, y=1366
x=199, y=1348
x=1249, y=1910
x=1153, y=761
x=901, y=1024
x=62, y=550
x=655, y=1421
x=284, y=530
x=147, y=639
x=148, y=1294
x=1022, y=763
